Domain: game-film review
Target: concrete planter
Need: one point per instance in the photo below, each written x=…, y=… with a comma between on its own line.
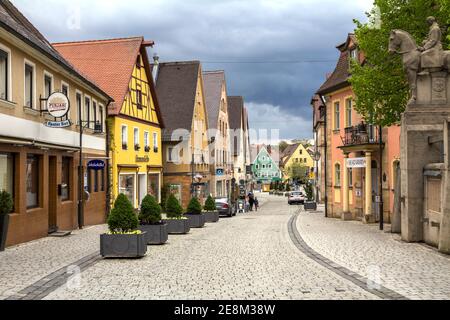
x=123, y=245
x=178, y=226
x=196, y=220
x=4, y=223
x=310, y=206
x=212, y=216
x=155, y=234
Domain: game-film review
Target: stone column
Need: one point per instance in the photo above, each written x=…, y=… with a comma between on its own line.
x=368, y=191
x=346, y=215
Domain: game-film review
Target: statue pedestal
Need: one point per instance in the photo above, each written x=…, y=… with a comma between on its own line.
x=433, y=89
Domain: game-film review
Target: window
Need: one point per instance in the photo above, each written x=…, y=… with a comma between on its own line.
x=7, y=173
x=65, y=178
x=79, y=107
x=32, y=180
x=126, y=186
x=170, y=154
x=65, y=89
x=136, y=139
x=4, y=74
x=101, y=117
x=139, y=98
x=48, y=85
x=354, y=54
x=29, y=86
x=350, y=177
x=155, y=142
x=95, y=172
x=93, y=115
x=146, y=141
x=348, y=113
x=124, y=137
x=87, y=108
x=337, y=116
x=337, y=175
x=102, y=180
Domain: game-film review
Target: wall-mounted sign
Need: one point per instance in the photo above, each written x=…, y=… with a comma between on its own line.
x=356, y=163
x=142, y=159
x=58, y=124
x=96, y=165
x=58, y=105
x=220, y=172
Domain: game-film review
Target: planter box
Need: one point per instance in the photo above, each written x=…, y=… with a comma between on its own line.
x=196, y=220
x=212, y=216
x=155, y=234
x=4, y=223
x=175, y=226
x=123, y=245
x=310, y=206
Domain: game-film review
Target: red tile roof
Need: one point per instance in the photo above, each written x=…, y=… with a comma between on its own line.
x=108, y=62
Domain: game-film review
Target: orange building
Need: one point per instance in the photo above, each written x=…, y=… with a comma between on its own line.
x=353, y=150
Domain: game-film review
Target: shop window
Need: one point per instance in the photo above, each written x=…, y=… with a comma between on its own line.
x=65, y=178
x=337, y=175
x=32, y=181
x=96, y=182
x=350, y=177
x=48, y=85
x=126, y=186
x=175, y=189
x=154, y=186
x=102, y=180
x=29, y=86
x=4, y=74
x=7, y=173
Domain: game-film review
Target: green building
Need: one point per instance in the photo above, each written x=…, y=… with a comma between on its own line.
x=265, y=170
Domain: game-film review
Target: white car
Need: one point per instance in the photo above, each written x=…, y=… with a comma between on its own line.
x=296, y=197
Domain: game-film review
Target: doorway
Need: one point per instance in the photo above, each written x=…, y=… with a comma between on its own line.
x=52, y=195
x=375, y=191
x=142, y=188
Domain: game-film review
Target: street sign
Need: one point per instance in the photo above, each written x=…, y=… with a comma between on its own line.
x=356, y=163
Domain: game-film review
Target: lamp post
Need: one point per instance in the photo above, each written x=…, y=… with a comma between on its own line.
x=317, y=157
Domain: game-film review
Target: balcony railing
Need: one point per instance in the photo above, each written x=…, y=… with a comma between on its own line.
x=361, y=134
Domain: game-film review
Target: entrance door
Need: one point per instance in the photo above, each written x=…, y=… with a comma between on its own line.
x=375, y=191
x=142, y=183
x=52, y=195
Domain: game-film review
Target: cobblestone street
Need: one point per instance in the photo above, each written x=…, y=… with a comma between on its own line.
x=251, y=256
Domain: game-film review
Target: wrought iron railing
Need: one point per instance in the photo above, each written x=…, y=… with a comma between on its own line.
x=361, y=134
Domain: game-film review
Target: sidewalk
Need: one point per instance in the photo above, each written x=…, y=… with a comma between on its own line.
x=25, y=264
x=413, y=270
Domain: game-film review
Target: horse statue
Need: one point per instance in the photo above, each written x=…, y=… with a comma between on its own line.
x=401, y=42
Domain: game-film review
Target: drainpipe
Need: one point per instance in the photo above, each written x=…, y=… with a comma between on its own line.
x=326, y=154
x=381, y=206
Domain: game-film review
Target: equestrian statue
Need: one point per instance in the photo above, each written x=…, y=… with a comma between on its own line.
x=420, y=61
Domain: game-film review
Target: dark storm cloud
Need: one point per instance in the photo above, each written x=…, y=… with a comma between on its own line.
x=281, y=49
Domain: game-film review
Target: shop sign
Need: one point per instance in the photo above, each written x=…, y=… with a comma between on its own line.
x=96, y=165
x=356, y=163
x=58, y=105
x=58, y=124
x=142, y=159
x=220, y=172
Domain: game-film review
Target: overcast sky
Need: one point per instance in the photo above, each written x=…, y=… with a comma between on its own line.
x=275, y=53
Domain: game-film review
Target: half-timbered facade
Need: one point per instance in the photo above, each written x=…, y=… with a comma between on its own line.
x=121, y=66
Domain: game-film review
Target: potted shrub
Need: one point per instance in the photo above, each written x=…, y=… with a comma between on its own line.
x=194, y=214
x=211, y=213
x=151, y=222
x=123, y=240
x=310, y=204
x=176, y=223
x=6, y=205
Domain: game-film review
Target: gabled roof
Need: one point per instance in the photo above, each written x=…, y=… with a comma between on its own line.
x=13, y=21
x=176, y=87
x=339, y=78
x=236, y=113
x=213, y=83
x=110, y=63
x=288, y=152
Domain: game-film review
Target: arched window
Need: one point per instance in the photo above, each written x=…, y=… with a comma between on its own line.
x=337, y=175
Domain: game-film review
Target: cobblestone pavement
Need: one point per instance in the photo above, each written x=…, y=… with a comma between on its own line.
x=412, y=270
x=247, y=257
x=25, y=264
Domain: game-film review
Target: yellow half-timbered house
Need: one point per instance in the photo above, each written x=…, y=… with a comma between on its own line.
x=121, y=67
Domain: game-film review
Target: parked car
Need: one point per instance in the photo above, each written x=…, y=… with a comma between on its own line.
x=296, y=197
x=225, y=207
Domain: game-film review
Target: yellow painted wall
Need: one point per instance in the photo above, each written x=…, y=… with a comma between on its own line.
x=300, y=153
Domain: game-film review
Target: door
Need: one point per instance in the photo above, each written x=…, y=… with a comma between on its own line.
x=52, y=195
x=142, y=183
x=375, y=191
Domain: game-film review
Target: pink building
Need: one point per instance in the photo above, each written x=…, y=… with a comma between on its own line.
x=358, y=166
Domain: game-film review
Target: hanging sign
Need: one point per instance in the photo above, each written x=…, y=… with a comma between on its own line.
x=220, y=172
x=356, y=163
x=96, y=165
x=58, y=106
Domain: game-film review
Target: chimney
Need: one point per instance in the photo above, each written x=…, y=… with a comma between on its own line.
x=155, y=67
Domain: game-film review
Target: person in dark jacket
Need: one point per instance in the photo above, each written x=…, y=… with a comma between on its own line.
x=251, y=200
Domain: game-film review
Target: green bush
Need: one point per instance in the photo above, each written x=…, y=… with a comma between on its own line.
x=210, y=204
x=150, y=211
x=309, y=192
x=288, y=188
x=6, y=203
x=194, y=206
x=122, y=218
x=173, y=208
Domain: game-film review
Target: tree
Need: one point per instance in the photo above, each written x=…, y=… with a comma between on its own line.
x=283, y=146
x=150, y=211
x=122, y=218
x=297, y=171
x=309, y=191
x=210, y=204
x=380, y=84
x=194, y=206
x=173, y=208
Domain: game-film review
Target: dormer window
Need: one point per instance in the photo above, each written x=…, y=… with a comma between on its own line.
x=354, y=54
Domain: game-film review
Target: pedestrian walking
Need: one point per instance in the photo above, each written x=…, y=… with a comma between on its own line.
x=256, y=204
x=251, y=201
